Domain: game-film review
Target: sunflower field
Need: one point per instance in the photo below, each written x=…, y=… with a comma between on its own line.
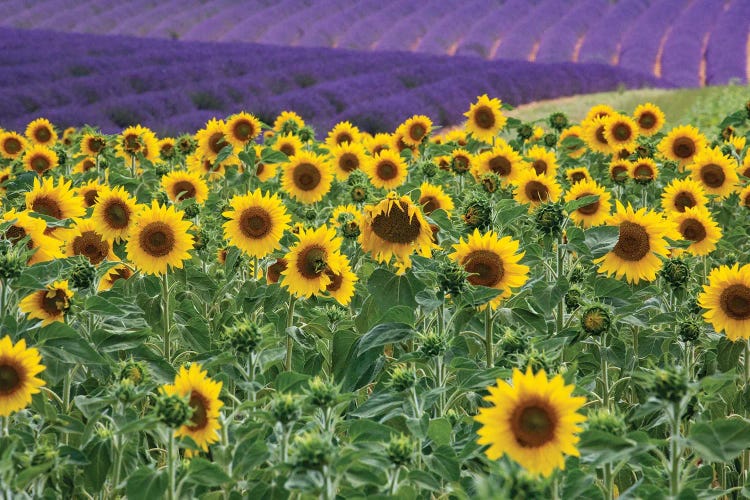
x=503, y=309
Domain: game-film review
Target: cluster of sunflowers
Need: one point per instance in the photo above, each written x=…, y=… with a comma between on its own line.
x=270, y=203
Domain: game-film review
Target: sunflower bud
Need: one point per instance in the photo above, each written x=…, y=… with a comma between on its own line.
x=595, y=320
x=359, y=193
x=350, y=230
x=489, y=182
x=82, y=275
x=336, y=313
x=577, y=274
x=191, y=209
x=134, y=371
x=452, y=277
x=306, y=134
x=12, y=261
x=125, y=391
x=433, y=345
x=645, y=150
x=525, y=131
x=173, y=410
x=690, y=330
x=537, y=360
x=550, y=140
x=429, y=169
x=573, y=299
x=558, y=121
x=289, y=127
x=400, y=450
x=513, y=341
x=161, y=169
x=202, y=237
x=403, y=378
x=604, y=420
x=322, y=393
x=729, y=259
x=310, y=214
x=312, y=450
x=162, y=198
x=675, y=272
x=549, y=218
x=243, y=336
x=285, y=408
x=477, y=212
x=186, y=144
x=669, y=384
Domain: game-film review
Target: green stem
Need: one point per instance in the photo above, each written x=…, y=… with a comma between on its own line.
x=560, y=312
x=3, y=291
x=675, y=452
x=608, y=482
x=119, y=452
x=255, y=268
x=393, y=488
x=289, y=338
x=167, y=319
x=488, y=340
x=605, y=371
x=171, y=493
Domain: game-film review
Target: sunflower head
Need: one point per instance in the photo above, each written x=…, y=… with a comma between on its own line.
x=40, y=159
x=681, y=194
x=485, y=118
x=594, y=134
x=416, y=129
x=288, y=122
x=159, y=239
x=542, y=160
x=54, y=200
x=619, y=171
x=726, y=298
x=549, y=219
x=644, y=171
x=681, y=144
x=620, y=131
x=387, y=170
x=241, y=129
x=347, y=158
x=19, y=367
x=432, y=197
x=180, y=185
x=502, y=160
x=716, y=172
x=676, y=272
x=212, y=139
x=93, y=144
x=48, y=305
x=41, y=131
x=12, y=145
x=312, y=262
x=341, y=133
x=649, y=118
x=595, y=320
x=534, y=189
x=571, y=142
x=307, y=177
x=256, y=223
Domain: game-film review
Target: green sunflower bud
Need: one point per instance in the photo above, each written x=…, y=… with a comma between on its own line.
x=312, y=450
x=690, y=330
x=549, y=218
x=400, y=450
x=675, y=272
x=558, y=121
x=595, y=320
x=285, y=408
x=321, y=393
x=403, y=378
x=669, y=384
x=173, y=410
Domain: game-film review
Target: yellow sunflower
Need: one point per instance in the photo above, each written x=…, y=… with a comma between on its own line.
x=138, y=140
x=307, y=177
x=41, y=131
x=241, y=129
x=461, y=161
x=92, y=144
x=619, y=170
x=533, y=189
x=398, y=144
x=58, y=201
x=273, y=271
x=681, y=194
x=203, y=166
x=288, y=121
x=432, y=197
x=341, y=285
x=534, y=421
x=737, y=143
x=118, y=272
x=542, y=160
x=696, y=225
x=311, y=261
x=86, y=164
x=19, y=367
x=378, y=143
x=649, y=118
x=493, y=262
x=39, y=158
x=264, y=171
x=727, y=300
x=644, y=170
x=181, y=185
x=716, y=172
x=84, y=239
x=347, y=158
x=417, y=128
x=12, y=145
x=578, y=174
x=256, y=223
x=114, y=212
x=49, y=304
x=620, y=131
x=158, y=239
x=574, y=152
x=341, y=133
x=68, y=135
x=45, y=247
x=203, y=394
x=681, y=144
x=599, y=111
x=593, y=214
x=387, y=170
x=288, y=144
x=5, y=175
x=167, y=149
x=485, y=118
x=745, y=197
x=501, y=160
x=211, y=139
x=744, y=169
x=639, y=246
x=593, y=135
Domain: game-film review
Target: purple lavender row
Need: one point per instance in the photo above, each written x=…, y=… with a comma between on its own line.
x=602, y=41
x=521, y=40
x=484, y=34
x=727, y=51
x=560, y=42
x=447, y=34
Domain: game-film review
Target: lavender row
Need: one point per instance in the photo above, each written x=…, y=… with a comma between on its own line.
x=560, y=41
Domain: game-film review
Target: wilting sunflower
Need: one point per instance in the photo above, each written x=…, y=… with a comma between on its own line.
x=485, y=118
x=84, y=239
x=347, y=158
x=593, y=135
x=39, y=158
x=432, y=197
x=534, y=421
x=288, y=144
x=378, y=143
x=203, y=392
x=501, y=160
x=533, y=189
x=167, y=149
x=118, y=272
x=181, y=185
x=696, y=225
x=649, y=118
x=493, y=262
x=58, y=201
x=619, y=170
x=395, y=227
x=620, y=131
x=241, y=129
x=307, y=177
x=572, y=151
x=311, y=261
x=644, y=170
x=19, y=367
x=85, y=165
x=203, y=166
x=341, y=285
x=93, y=144
x=416, y=129
x=716, y=172
x=727, y=300
x=114, y=212
x=387, y=170
x=639, y=246
x=681, y=194
x=542, y=160
x=12, y=145
x=288, y=122
x=211, y=139
x=41, y=131
x=45, y=247
x=256, y=223
x=578, y=174
x=599, y=111
x=593, y=214
x=158, y=239
x=49, y=304
x=681, y=144
x=342, y=132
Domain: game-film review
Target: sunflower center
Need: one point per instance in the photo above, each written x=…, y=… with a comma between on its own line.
x=117, y=214
x=14, y=234
x=417, y=132
x=343, y=137
x=186, y=188
x=273, y=273
x=378, y=149
x=684, y=200
x=485, y=268
x=429, y=204
x=42, y=134
x=577, y=177
x=90, y=196
x=96, y=145
x=643, y=172
x=47, y=206
x=287, y=148
x=336, y=281
x=683, y=147
x=312, y=262
x=500, y=165
x=396, y=226
x=243, y=130
x=260, y=169
x=533, y=425
x=54, y=304
x=622, y=132
x=10, y=379
x=12, y=145
x=600, y=135
x=306, y=176
x=119, y=273
x=461, y=164
x=216, y=142
x=348, y=162
x=132, y=143
x=647, y=120
x=746, y=201
x=735, y=302
x=40, y=164
x=91, y=245
x=712, y=175
x=633, y=244
x=87, y=165
x=619, y=173
x=589, y=209
x=157, y=239
x=255, y=222
x=484, y=117
x=386, y=170
x=536, y=191
x=693, y=230
x=199, y=404
x=540, y=167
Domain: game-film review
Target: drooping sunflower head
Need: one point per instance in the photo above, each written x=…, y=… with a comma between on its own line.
x=159, y=239
x=180, y=185
x=19, y=367
x=696, y=225
x=58, y=201
x=542, y=160
x=256, y=223
x=114, y=212
x=242, y=128
x=347, y=158
x=12, y=145
x=620, y=131
x=649, y=118
x=485, y=118
x=593, y=214
x=212, y=139
x=288, y=122
x=644, y=170
x=23, y=225
x=40, y=159
x=433, y=197
x=307, y=177
x=84, y=239
x=578, y=174
x=288, y=144
x=593, y=133
x=113, y=275
x=41, y=131
x=574, y=135
x=533, y=189
x=681, y=194
x=342, y=132
x=716, y=172
x=93, y=144
x=416, y=128
x=311, y=261
x=727, y=300
x=502, y=160
x=48, y=305
x=681, y=144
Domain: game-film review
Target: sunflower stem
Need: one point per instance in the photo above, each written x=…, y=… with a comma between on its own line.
x=393, y=487
x=560, y=312
x=608, y=482
x=255, y=268
x=167, y=319
x=289, y=338
x=605, y=370
x=488, y=340
x=171, y=492
x=675, y=452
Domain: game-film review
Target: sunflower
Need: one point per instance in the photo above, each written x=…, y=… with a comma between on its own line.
x=534, y=421
x=12, y=145
x=649, y=118
x=273, y=271
x=619, y=170
x=347, y=158
x=45, y=247
x=492, y=261
x=167, y=149
x=578, y=174
x=41, y=131
x=485, y=118
x=307, y=177
x=203, y=166
x=341, y=285
x=386, y=170
x=342, y=132
x=542, y=160
x=599, y=111
x=93, y=144
x=114, y=212
x=256, y=223
x=288, y=144
x=644, y=170
x=744, y=169
x=395, y=227
x=432, y=197
x=417, y=128
x=727, y=300
x=58, y=201
x=348, y=219
x=116, y=273
x=241, y=129
x=696, y=225
x=68, y=136
x=737, y=142
x=39, y=158
x=593, y=135
x=5, y=175
x=288, y=121
x=639, y=246
x=461, y=161
x=534, y=189
x=593, y=214
x=211, y=139
x=138, y=140
x=181, y=185
x=620, y=131
x=158, y=239
x=203, y=392
x=681, y=194
x=312, y=261
x=85, y=165
x=681, y=144
x=571, y=151
x=398, y=144
x=19, y=367
x=501, y=160
x=745, y=197
x=716, y=172
x=378, y=143
x=83, y=239
x=49, y=304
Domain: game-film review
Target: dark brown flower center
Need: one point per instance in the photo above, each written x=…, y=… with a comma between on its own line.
x=589, y=209
x=693, y=230
x=336, y=281
x=54, y=302
x=243, y=130
x=157, y=239
x=311, y=262
x=119, y=273
x=90, y=196
x=540, y=167
x=500, y=165
x=343, y=137
x=633, y=243
x=87, y=165
x=485, y=268
x=199, y=404
x=647, y=120
x=183, y=190
x=622, y=132
x=396, y=226
x=461, y=164
x=306, y=176
x=273, y=273
x=12, y=145
x=96, y=144
x=417, y=132
x=619, y=173
x=47, y=206
x=712, y=175
x=577, y=177
x=643, y=171
x=378, y=149
x=683, y=147
x=42, y=134
x=92, y=246
x=132, y=143
x=484, y=117
x=216, y=142
x=735, y=302
x=348, y=162
x=117, y=214
x=14, y=234
x=40, y=163
x=255, y=222
x=536, y=191
x=600, y=135
x=287, y=148
x=429, y=204
x=533, y=424
x=684, y=200
x=386, y=170
x=10, y=378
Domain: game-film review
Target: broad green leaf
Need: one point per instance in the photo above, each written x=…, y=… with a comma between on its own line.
x=385, y=333
x=721, y=440
x=146, y=483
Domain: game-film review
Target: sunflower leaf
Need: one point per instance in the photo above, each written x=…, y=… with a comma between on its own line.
x=721, y=440
x=574, y=205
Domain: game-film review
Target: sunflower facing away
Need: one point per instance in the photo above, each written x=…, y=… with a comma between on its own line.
x=696, y=225
x=716, y=172
x=681, y=194
x=432, y=197
x=501, y=160
x=158, y=239
x=241, y=128
x=180, y=185
x=307, y=177
x=114, y=213
x=649, y=118
x=288, y=121
x=45, y=247
x=49, y=304
x=39, y=158
x=533, y=189
x=492, y=261
x=19, y=367
x=533, y=420
x=593, y=214
x=727, y=300
x=203, y=394
x=256, y=223
x=311, y=261
x=386, y=170
x=58, y=201
x=681, y=144
x=485, y=118
x=641, y=242
x=83, y=239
